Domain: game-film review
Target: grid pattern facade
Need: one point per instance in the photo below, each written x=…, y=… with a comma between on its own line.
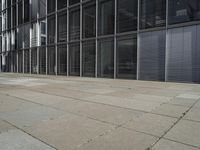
x=127, y=39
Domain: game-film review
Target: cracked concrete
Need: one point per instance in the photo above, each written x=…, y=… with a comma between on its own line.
x=71, y=113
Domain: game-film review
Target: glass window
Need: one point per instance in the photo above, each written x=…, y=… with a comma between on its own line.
x=74, y=59
x=127, y=15
x=89, y=59
x=27, y=36
x=20, y=13
x=62, y=27
x=20, y=61
x=34, y=9
x=34, y=35
x=152, y=55
x=51, y=6
x=43, y=35
x=72, y=2
x=62, y=60
x=26, y=61
x=74, y=24
x=106, y=17
x=183, y=53
x=106, y=59
x=42, y=60
x=14, y=20
x=20, y=38
x=89, y=21
x=51, y=29
x=127, y=58
x=51, y=60
x=61, y=4
x=26, y=11
x=42, y=8
x=152, y=13
x=34, y=61
x=183, y=11
x=9, y=18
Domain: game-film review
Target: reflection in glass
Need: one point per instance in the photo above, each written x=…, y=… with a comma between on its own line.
x=74, y=59
x=62, y=60
x=74, y=24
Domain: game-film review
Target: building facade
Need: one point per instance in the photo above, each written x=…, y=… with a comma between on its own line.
x=155, y=40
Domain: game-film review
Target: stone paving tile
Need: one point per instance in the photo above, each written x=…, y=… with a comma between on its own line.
x=182, y=101
x=187, y=132
x=124, y=102
x=18, y=140
x=101, y=112
x=5, y=127
x=193, y=114
x=30, y=116
x=152, y=124
x=197, y=105
x=170, y=145
x=171, y=110
x=120, y=139
x=36, y=97
x=189, y=96
x=69, y=132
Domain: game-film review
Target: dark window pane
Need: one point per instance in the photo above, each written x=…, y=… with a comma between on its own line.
x=20, y=61
x=88, y=60
x=183, y=11
x=89, y=21
x=74, y=59
x=34, y=9
x=42, y=60
x=152, y=13
x=61, y=4
x=62, y=60
x=74, y=25
x=42, y=8
x=9, y=18
x=127, y=15
x=20, y=13
x=72, y=2
x=152, y=56
x=26, y=61
x=51, y=60
x=14, y=12
x=127, y=58
x=51, y=29
x=26, y=11
x=62, y=27
x=27, y=36
x=34, y=61
x=51, y=6
x=106, y=17
x=20, y=38
x=106, y=59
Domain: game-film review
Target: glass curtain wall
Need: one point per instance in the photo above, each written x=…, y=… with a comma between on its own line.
x=62, y=60
x=74, y=59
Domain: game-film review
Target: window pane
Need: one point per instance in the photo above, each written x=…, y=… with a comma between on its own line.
x=72, y=2
x=62, y=4
x=62, y=27
x=74, y=59
x=20, y=37
x=27, y=36
x=26, y=11
x=34, y=61
x=42, y=60
x=152, y=56
x=127, y=15
x=34, y=9
x=34, y=35
x=14, y=13
x=106, y=17
x=26, y=61
x=51, y=29
x=127, y=58
x=106, y=59
x=51, y=60
x=51, y=6
x=42, y=8
x=152, y=13
x=74, y=25
x=20, y=61
x=183, y=10
x=62, y=60
x=89, y=21
x=89, y=59
x=20, y=13
x=43, y=32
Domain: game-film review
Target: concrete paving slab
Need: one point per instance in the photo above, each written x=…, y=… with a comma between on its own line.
x=69, y=132
x=121, y=139
x=152, y=124
x=187, y=132
x=171, y=110
x=101, y=112
x=124, y=102
x=5, y=127
x=193, y=114
x=18, y=140
x=171, y=145
x=189, y=96
x=182, y=101
x=28, y=117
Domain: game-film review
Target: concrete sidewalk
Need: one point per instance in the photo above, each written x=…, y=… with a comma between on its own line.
x=71, y=113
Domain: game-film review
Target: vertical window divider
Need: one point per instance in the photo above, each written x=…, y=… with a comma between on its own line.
x=96, y=60
x=115, y=41
x=56, y=39
x=81, y=25
x=138, y=42
x=67, y=38
x=166, y=41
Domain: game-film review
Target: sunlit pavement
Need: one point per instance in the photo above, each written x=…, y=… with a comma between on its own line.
x=72, y=113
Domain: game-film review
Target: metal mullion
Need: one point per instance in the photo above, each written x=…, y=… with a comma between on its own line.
x=96, y=60
x=166, y=38
x=81, y=25
x=56, y=39
x=115, y=41
x=138, y=43
x=67, y=38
